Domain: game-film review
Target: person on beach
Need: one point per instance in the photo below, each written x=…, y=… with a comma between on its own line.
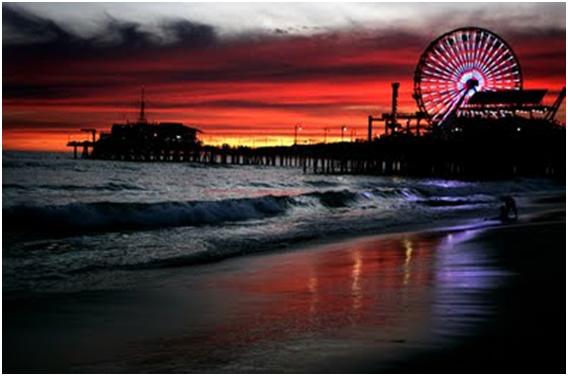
x=508, y=207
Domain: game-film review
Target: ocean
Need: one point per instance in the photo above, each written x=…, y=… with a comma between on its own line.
x=83, y=225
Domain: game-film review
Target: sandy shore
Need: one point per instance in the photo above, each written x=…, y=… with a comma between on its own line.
x=470, y=300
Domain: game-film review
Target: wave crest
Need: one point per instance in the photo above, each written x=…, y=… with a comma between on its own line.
x=124, y=216
x=118, y=216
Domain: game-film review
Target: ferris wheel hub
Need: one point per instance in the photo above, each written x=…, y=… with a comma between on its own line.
x=472, y=83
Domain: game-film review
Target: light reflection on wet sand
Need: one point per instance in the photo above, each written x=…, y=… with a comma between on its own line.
x=326, y=309
x=344, y=307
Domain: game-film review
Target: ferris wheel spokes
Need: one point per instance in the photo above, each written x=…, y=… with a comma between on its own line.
x=450, y=64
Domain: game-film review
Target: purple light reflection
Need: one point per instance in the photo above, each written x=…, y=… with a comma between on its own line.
x=465, y=274
x=447, y=183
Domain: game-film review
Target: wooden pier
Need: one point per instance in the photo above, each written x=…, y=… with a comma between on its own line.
x=488, y=149
x=84, y=146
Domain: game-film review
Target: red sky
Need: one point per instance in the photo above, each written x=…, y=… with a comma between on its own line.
x=251, y=89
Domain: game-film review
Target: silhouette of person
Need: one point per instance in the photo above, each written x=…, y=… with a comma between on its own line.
x=509, y=207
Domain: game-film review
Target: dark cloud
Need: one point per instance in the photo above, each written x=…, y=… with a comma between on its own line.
x=23, y=91
x=66, y=90
x=123, y=35
x=31, y=34
x=190, y=34
x=43, y=60
x=72, y=66
x=25, y=27
x=214, y=104
x=265, y=71
x=253, y=104
x=275, y=72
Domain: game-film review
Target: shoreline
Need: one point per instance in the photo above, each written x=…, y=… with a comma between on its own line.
x=367, y=304
x=441, y=226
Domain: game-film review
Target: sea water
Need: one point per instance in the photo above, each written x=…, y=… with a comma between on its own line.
x=75, y=225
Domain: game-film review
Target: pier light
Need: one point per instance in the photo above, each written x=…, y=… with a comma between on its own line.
x=343, y=129
x=297, y=128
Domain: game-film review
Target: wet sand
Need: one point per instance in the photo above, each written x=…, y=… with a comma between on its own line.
x=477, y=300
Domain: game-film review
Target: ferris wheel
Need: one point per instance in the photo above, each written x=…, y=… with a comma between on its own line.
x=457, y=65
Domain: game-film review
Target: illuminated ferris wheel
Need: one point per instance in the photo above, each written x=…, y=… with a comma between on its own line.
x=457, y=65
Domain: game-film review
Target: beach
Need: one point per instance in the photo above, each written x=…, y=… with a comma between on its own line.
x=482, y=299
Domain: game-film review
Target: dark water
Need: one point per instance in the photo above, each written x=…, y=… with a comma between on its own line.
x=73, y=225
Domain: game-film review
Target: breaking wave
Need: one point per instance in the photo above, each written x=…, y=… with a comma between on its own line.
x=118, y=216
x=125, y=216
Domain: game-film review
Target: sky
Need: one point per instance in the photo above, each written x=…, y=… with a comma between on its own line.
x=242, y=73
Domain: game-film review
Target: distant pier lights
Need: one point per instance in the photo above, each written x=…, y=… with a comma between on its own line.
x=297, y=128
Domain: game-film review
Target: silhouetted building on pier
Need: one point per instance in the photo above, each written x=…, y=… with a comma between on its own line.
x=142, y=141
x=146, y=141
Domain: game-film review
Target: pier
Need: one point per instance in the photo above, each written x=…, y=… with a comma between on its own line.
x=84, y=146
x=532, y=148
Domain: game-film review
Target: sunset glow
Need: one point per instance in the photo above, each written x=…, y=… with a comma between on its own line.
x=247, y=89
